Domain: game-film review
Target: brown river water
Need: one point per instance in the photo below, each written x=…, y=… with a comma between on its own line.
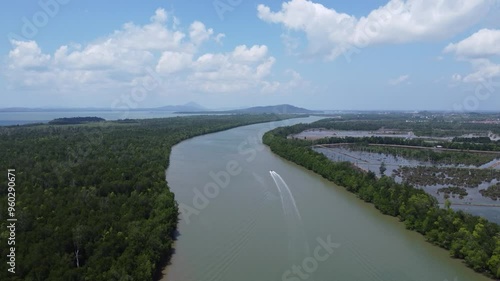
x=240, y=224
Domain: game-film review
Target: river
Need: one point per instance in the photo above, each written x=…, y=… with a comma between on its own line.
x=245, y=225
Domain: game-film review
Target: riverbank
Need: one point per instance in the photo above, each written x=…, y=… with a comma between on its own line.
x=95, y=203
x=470, y=238
x=242, y=232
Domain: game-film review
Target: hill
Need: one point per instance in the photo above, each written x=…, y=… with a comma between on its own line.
x=279, y=109
x=190, y=106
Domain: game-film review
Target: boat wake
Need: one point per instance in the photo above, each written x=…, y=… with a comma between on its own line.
x=287, y=200
x=298, y=247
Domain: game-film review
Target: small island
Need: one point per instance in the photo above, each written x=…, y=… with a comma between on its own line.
x=75, y=120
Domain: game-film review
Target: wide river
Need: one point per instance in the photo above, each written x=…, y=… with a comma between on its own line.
x=239, y=224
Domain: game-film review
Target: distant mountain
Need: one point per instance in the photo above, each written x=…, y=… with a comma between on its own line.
x=280, y=109
x=190, y=106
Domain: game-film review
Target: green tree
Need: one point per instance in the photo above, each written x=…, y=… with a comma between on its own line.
x=382, y=168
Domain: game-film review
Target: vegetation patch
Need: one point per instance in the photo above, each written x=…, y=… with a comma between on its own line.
x=468, y=237
x=426, y=176
x=492, y=192
x=430, y=155
x=92, y=202
x=75, y=120
x=460, y=191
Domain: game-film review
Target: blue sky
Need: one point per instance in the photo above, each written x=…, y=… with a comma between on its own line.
x=363, y=55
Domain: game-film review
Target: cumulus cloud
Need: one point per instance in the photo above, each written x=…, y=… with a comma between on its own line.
x=484, y=43
x=241, y=69
x=26, y=54
x=331, y=33
x=198, y=33
x=160, y=16
x=116, y=62
x=399, y=80
x=243, y=53
x=478, y=49
x=171, y=62
x=484, y=70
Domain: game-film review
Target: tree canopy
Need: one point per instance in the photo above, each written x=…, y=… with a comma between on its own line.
x=468, y=237
x=92, y=202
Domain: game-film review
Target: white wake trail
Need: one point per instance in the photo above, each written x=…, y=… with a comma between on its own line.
x=283, y=205
x=298, y=246
x=286, y=194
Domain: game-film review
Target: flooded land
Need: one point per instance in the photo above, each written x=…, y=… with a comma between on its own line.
x=434, y=178
x=456, y=161
x=269, y=217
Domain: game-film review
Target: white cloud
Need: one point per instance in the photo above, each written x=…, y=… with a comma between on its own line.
x=331, y=33
x=160, y=16
x=28, y=67
x=198, y=33
x=153, y=36
x=171, y=62
x=478, y=49
x=485, y=42
x=483, y=70
x=219, y=37
x=239, y=70
x=456, y=77
x=115, y=63
x=399, y=80
x=255, y=53
x=27, y=54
